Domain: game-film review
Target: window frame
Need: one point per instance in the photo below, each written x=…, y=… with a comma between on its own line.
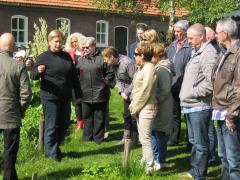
x=106, y=33
x=69, y=22
x=25, y=29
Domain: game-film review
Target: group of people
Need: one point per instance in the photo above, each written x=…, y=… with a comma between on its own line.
x=196, y=75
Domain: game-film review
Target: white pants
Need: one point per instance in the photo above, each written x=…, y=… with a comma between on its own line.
x=145, y=137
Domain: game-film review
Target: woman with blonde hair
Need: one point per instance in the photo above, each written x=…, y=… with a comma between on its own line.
x=161, y=125
x=151, y=36
x=58, y=77
x=74, y=48
x=143, y=105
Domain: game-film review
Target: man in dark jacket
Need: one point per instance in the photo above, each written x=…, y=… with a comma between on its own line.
x=226, y=99
x=95, y=79
x=15, y=96
x=179, y=53
x=124, y=69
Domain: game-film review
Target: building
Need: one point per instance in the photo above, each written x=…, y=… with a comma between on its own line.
x=112, y=28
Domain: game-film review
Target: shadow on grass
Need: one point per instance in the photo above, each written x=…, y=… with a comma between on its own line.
x=105, y=150
x=62, y=174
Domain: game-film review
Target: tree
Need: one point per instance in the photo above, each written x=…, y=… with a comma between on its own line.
x=203, y=11
x=208, y=11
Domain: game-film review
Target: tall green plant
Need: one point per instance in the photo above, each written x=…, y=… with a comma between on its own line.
x=39, y=44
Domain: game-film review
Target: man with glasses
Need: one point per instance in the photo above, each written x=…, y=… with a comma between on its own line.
x=226, y=98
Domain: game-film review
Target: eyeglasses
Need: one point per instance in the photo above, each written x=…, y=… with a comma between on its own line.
x=137, y=54
x=86, y=47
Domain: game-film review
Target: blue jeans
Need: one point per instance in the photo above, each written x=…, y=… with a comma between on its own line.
x=229, y=150
x=159, y=143
x=198, y=125
x=57, y=118
x=212, y=146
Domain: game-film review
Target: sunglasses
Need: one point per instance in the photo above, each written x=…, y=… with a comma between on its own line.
x=137, y=54
x=86, y=47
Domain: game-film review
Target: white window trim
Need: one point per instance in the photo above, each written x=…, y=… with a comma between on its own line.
x=107, y=33
x=25, y=18
x=69, y=22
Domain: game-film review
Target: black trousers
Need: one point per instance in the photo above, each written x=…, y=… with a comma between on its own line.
x=94, y=115
x=78, y=107
x=176, y=126
x=11, y=146
x=129, y=122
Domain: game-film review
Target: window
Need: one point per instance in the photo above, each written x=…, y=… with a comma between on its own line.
x=19, y=29
x=102, y=33
x=59, y=21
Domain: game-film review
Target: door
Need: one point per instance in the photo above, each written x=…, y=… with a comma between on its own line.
x=121, y=38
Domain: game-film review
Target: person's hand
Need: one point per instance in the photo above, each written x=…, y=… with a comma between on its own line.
x=41, y=68
x=124, y=96
x=230, y=125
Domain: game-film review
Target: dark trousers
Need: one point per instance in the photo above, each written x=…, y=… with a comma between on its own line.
x=129, y=123
x=11, y=146
x=57, y=118
x=94, y=121
x=176, y=123
x=229, y=150
x=78, y=107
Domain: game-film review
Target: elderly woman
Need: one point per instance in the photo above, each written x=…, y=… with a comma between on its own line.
x=74, y=47
x=144, y=106
x=162, y=124
x=58, y=77
x=95, y=79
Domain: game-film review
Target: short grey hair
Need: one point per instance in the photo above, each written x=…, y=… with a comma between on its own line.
x=228, y=25
x=183, y=24
x=197, y=28
x=90, y=41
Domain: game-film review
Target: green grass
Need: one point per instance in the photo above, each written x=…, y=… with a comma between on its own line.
x=87, y=160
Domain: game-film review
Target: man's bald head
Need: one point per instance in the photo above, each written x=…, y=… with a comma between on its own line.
x=210, y=33
x=6, y=42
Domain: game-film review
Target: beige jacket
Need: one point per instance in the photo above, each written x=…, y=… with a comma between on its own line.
x=144, y=89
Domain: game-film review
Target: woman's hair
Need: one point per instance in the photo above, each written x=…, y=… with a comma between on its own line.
x=159, y=50
x=55, y=33
x=151, y=36
x=110, y=51
x=145, y=48
x=74, y=37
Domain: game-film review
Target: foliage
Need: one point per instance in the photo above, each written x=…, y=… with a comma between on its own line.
x=39, y=44
x=208, y=11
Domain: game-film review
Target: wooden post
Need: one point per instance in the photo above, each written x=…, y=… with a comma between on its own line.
x=41, y=135
x=34, y=176
x=127, y=149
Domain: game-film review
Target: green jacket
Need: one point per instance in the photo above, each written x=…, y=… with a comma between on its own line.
x=15, y=93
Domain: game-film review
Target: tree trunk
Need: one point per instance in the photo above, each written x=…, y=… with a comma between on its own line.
x=169, y=36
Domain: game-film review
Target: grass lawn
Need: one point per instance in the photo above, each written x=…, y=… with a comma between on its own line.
x=87, y=160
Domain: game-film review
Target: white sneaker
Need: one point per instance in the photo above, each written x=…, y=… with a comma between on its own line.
x=149, y=171
x=158, y=166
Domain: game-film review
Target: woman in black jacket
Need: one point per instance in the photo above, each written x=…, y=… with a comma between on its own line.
x=95, y=77
x=58, y=77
